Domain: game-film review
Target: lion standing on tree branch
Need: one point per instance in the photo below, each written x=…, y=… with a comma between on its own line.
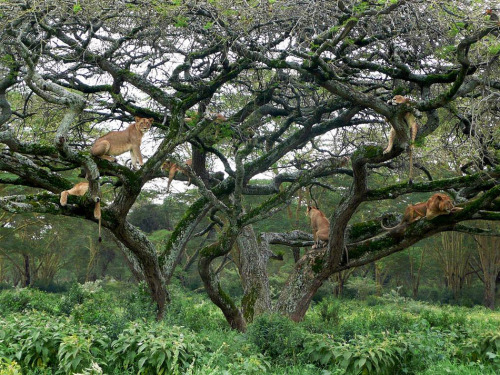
x=411, y=122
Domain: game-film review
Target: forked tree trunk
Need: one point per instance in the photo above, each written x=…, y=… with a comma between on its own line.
x=308, y=275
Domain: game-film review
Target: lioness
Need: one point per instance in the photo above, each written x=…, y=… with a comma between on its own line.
x=172, y=170
x=79, y=190
x=319, y=224
x=438, y=204
x=412, y=124
x=117, y=142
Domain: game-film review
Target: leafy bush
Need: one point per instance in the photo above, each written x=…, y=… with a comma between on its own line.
x=483, y=347
x=457, y=368
x=277, y=336
x=361, y=287
x=426, y=345
x=37, y=340
x=444, y=317
x=75, y=296
x=226, y=361
x=14, y=300
x=155, y=349
x=365, y=354
x=21, y=299
x=193, y=311
x=329, y=310
x=395, y=335
x=34, y=339
x=9, y=367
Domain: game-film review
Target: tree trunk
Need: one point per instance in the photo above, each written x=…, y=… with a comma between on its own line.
x=27, y=271
x=145, y=252
x=489, y=291
x=308, y=275
x=253, y=269
x=210, y=279
x=415, y=279
x=489, y=255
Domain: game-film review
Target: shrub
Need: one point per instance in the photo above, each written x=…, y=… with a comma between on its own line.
x=9, y=367
x=39, y=341
x=457, y=368
x=74, y=296
x=139, y=304
x=277, y=336
x=362, y=287
x=444, y=317
x=193, y=311
x=483, y=347
x=155, y=349
x=329, y=310
x=365, y=354
x=226, y=361
x=34, y=339
x=425, y=346
x=15, y=300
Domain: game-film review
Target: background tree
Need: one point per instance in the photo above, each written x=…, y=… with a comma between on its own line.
x=489, y=256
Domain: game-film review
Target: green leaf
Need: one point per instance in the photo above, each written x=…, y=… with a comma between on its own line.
x=77, y=7
x=141, y=362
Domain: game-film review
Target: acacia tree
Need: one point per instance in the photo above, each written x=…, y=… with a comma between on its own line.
x=287, y=76
x=488, y=249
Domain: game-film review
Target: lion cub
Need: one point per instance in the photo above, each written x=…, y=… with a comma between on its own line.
x=117, y=142
x=319, y=224
x=438, y=204
x=79, y=190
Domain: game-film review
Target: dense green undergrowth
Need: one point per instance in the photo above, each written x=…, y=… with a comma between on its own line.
x=109, y=328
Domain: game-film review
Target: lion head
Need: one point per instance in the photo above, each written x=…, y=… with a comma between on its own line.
x=143, y=124
x=439, y=204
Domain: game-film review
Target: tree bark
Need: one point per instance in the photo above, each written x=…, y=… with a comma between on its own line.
x=489, y=255
x=253, y=268
x=145, y=252
x=219, y=297
x=27, y=271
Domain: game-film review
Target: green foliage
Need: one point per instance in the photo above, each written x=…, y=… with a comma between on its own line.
x=277, y=336
x=457, y=368
x=329, y=310
x=384, y=335
x=151, y=217
x=483, y=347
x=77, y=7
x=156, y=349
x=37, y=340
x=18, y=300
x=194, y=312
x=365, y=354
x=361, y=287
x=9, y=367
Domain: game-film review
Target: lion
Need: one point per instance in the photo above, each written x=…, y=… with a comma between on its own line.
x=172, y=170
x=412, y=124
x=437, y=204
x=319, y=224
x=117, y=142
x=79, y=190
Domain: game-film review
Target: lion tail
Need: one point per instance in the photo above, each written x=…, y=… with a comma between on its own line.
x=97, y=215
